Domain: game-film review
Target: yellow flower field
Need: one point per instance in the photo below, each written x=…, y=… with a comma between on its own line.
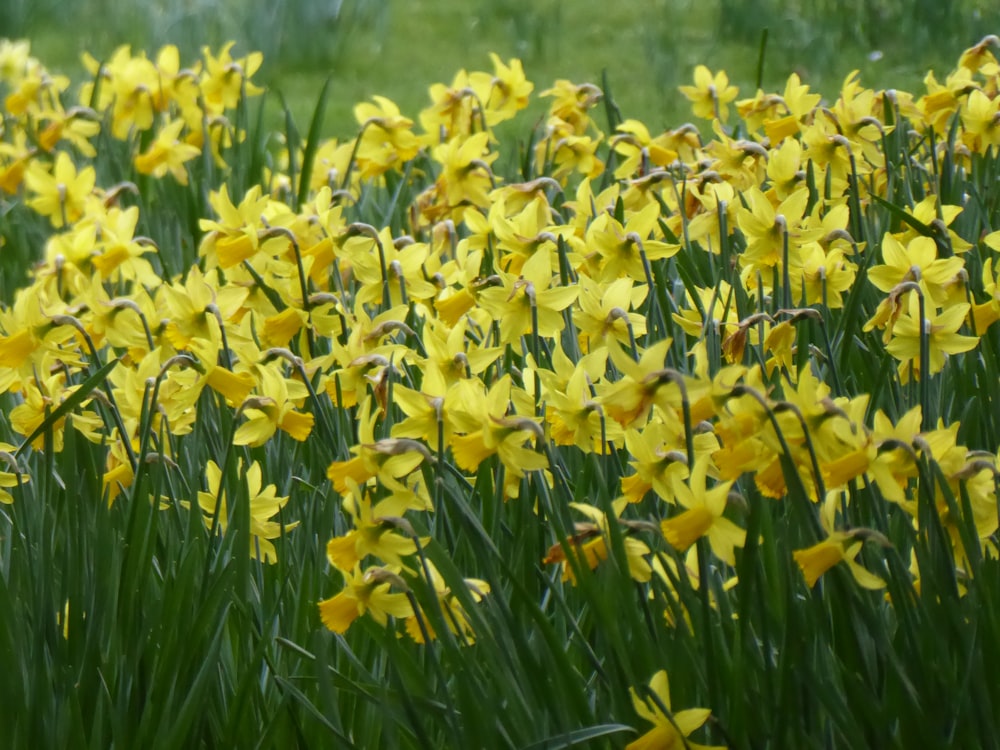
x=430, y=437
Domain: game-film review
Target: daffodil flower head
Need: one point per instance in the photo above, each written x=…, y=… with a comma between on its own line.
x=670, y=728
x=373, y=534
x=370, y=592
x=711, y=94
x=703, y=515
x=264, y=503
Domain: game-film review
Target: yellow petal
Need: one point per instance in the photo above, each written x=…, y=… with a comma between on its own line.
x=342, y=551
x=684, y=530
x=816, y=560
x=297, y=424
x=339, y=612
x=232, y=386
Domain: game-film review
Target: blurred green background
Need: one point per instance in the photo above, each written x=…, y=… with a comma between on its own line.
x=397, y=48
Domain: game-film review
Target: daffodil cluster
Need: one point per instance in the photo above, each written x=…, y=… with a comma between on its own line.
x=677, y=303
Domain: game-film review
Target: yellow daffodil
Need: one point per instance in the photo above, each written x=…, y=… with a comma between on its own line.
x=167, y=153
x=708, y=205
x=657, y=455
x=928, y=211
x=489, y=430
x=373, y=534
x=60, y=194
x=670, y=728
x=264, y=503
x=939, y=330
x=387, y=139
x=521, y=233
x=189, y=311
x=838, y=547
x=534, y=296
x=571, y=102
x=11, y=474
x=605, y=311
x=117, y=253
x=590, y=543
x=366, y=591
x=623, y=247
x=711, y=94
x=225, y=80
x=642, y=152
x=644, y=383
x=768, y=227
x=399, y=267
x=454, y=613
x=366, y=356
x=275, y=408
x=981, y=121
x=575, y=417
x=234, y=237
x=394, y=457
x=720, y=314
x=76, y=126
x=509, y=90
x=916, y=261
x=127, y=89
x=703, y=515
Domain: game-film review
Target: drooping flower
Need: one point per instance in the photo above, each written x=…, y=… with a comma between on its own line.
x=366, y=591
